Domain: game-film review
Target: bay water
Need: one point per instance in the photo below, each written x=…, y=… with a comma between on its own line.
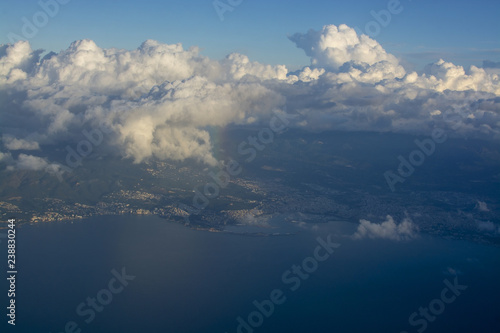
x=181, y=280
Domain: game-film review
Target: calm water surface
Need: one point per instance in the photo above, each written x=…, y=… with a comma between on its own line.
x=195, y=281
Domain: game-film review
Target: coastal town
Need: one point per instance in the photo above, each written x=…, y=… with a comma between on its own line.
x=311, y=203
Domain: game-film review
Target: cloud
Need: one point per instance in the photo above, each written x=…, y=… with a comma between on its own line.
x=12, y=143
x=488, y=226
x=491, y=67
x=388, y=229
x=334, y=46
x=163, y=101
x=30, y=162
x=33, y=163
x=491, y=64
x=482, y=206
x=444, y=75
x=251, y=219
x=5, y=157
x=16, y=61
x=169, y=122
x=237, y=66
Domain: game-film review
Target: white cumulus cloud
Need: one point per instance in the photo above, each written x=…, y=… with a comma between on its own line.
x=12, y=143
x=388, y=229
x=161, y=100
x=334, y=46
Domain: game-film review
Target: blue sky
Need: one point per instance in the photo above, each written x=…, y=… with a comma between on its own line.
x=463, y=32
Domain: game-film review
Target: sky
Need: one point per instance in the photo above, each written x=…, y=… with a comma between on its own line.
x=162, y=78
x=463, y=32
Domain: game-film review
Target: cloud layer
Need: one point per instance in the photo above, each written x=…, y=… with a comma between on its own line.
x=162, y=100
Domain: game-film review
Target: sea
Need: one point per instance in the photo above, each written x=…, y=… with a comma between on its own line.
x=145, y=274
